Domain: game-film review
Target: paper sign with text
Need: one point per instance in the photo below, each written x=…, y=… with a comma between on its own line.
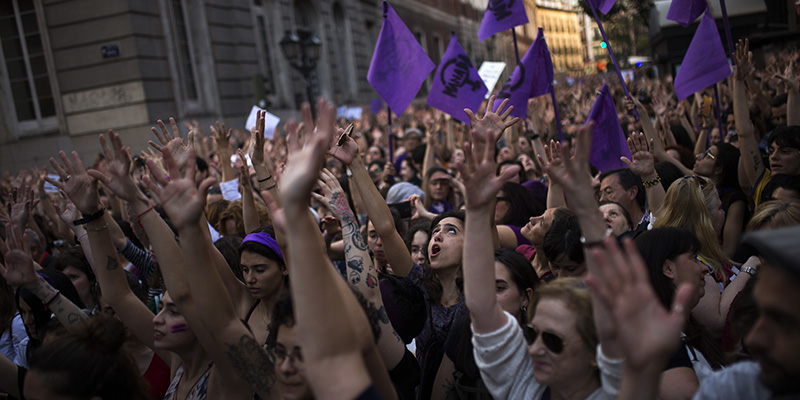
x=270, y=122
x=490, y=72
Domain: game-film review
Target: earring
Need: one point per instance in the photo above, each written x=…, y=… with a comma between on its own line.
x=524, y=308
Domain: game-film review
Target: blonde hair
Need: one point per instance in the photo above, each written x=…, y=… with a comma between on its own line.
x=775, y=214
x=687, y=205
x=575, y=295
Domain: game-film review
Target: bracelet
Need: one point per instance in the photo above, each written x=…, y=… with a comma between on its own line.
x=265, y=179
x=104, y=227
x=91, y=217
x=270, y=186
x=139, y=217
x=48, y=302
x=749, y=270
x=595, y=243
x=649, y=184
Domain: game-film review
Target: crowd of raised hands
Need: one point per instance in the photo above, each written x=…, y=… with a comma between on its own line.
x=488, y=260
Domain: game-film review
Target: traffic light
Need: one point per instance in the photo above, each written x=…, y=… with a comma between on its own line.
x=603, y=44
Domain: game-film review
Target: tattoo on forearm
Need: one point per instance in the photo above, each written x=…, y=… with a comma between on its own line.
x=356, y=264
x=383, y=315
x=339, y=205
x=756, y=160
x=251, y=363
x=397, y=336
x=73, y=318
x=111, y=263
x=355, y=277
x=358, y=241
x=372, y=281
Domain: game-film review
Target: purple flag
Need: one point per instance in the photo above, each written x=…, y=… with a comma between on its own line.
x=603, y=5
x=456, y=84
x=502, y=15
x=531, y=78
x=705, y=63
x=399, y=64
x=608, y=140
x=685, y=12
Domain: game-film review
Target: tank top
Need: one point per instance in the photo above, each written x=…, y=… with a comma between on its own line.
x=198, y=392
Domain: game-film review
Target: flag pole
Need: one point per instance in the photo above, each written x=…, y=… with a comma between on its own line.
x=611, y=53
x=727, y=31
x=516, y=49
x=553, y=97
x=391, y=149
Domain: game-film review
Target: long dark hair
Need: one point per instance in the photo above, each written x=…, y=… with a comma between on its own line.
x=90, y=361
x=523, y=276
x=430, y=281
x=656, y=247
x=521, y=205
x=728, y=159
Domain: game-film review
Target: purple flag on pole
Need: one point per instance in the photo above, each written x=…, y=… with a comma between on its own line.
x=376, y=105
x=685, y=12
x=603, y=5
x=705, y=63
x=531, y=78
x=502, y=15
x=456, y=84
x=399, y=64
x=608, y=140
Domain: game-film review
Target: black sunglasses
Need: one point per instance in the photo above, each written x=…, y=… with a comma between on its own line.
x=551, y=341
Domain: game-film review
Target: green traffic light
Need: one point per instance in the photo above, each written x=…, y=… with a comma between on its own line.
x=603, y=45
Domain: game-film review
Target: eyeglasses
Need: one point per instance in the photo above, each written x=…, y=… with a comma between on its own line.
x=700, y=180
x=708, y=154
x=552, y=342
x=501, y=198
x=277, y=355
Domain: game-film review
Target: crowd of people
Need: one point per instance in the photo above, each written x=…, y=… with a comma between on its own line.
x=428, y=259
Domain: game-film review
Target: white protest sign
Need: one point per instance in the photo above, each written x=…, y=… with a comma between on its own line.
x=490, y=72
x=49, y=187
x=353, y=113
x=270, y=122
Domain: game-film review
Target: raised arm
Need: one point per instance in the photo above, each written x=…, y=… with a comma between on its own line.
x=481, y=188
x=793, y=101
x=650, y=132
x=19, y=272
x=249, y=214
x=493, y=120
x=643, y=165
x=361, y=271
x=223, y=331
x=396, y=252
x=748, y=146
x=340, y=355
x=552, y=157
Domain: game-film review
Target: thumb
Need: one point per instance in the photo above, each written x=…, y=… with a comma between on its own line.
x=627, y=162
x=680, y=305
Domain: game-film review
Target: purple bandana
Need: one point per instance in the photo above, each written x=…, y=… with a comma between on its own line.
x=266, y=240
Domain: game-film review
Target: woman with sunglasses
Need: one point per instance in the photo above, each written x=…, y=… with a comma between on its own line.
x=692, y=203
x=719, y=163
x=562, y=360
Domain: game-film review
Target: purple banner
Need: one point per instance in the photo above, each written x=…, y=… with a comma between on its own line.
x=685, y=12
x=705, y=62
x=502, y=15
x=399, y=64
x=608, y=139
x=456, y=84
x=531, y=78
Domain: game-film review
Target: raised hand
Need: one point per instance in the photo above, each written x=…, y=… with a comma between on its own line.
x=76, y=183
x=174, y=142
x=333, y=197
x=645, y=331
x=480, y=182
x=19, y=208
x=68, y=212
x=222, y=138
x=574, y=175
x=181, y=199
x=18, y=269
x=497, y=122
x=553, y=154
x=344, y=149
x=788, y=77
x=643, y=163
x=744, y=60
x=303, y=163
x=119, y=180
x=257, y=140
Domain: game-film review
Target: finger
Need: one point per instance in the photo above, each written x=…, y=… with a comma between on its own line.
x=164, y=132
x=155, y=146
x=681, y=303
x=104, y=146
x=511, y=123
x=156, y=173
x=175, y=132
x=157, y=133
x=489, y=106
x=626, y=161
x=471, y=116
x=488, y=155
x=320, y=198
x=103, y=178
x=469, y=163
x=152, y=187
x=66, y=164
x=509, y=173
x=502, y=108
x=204, y=186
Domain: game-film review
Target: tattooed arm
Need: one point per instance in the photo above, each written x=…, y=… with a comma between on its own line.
x=19, y=271
x=361, y=272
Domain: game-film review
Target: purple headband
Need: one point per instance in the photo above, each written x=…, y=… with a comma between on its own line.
x=266, y=240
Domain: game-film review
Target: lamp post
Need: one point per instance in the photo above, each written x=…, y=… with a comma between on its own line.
x=302, y=51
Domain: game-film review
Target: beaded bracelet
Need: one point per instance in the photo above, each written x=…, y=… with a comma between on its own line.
x=651, y=183
x=89, y=218
x=265, y=179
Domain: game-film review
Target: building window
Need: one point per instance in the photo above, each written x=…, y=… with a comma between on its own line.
x=183, y=48
x=346, y=67
x=267, y=89
x=24, y=68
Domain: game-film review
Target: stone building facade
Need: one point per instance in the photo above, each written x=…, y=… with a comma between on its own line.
x=71, y=69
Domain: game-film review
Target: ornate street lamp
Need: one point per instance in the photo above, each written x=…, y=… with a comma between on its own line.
x=302, y=51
